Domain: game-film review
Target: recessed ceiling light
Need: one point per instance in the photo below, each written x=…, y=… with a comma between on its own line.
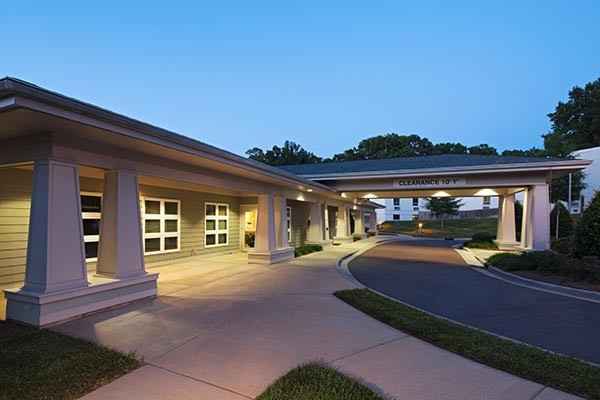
x=440, y=193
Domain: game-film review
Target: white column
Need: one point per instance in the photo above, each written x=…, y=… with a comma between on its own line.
x=316, y=228
x=359, y=225
x=506, y=234
x=327, y=233
x=281, y=222
x=121, y=253
x=55, y=252
x=536, y=218
x=265, y=240
x=343, y=223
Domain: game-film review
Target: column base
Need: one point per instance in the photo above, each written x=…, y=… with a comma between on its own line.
x=270, y=257
x=323, y=243
x=343, y=239
x=508, y=245
x=45, y=309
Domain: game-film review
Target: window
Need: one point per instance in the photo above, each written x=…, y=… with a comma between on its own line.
x=216, y=224
x=91, y=212
x=487, y=201
x=415, y=203
x=396, y=217
x=396, y=203
x=288, y=212
x=161, y=219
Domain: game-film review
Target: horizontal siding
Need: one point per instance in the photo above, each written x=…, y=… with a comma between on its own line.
x=300, y=214
x=15, y=195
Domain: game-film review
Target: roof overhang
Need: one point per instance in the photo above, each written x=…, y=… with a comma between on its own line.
x=44, y=110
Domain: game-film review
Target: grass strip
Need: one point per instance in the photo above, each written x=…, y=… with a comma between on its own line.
x=315, y=381
x=41, y=364
x=560, y=372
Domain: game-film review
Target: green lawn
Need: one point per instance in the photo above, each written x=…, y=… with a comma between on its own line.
x=457, y=228
x=41, y=364
x=563, y=373
x=317, y=382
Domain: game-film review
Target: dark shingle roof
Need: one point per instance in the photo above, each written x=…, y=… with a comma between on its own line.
x=410, y=163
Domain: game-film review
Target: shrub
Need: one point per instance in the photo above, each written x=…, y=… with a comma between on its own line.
x=307, y=249
x=486, y=245
x=511, y=262
x=563, y=245
x=587, y=233
x=483, y=237
x=565, y=222
x=545, y=261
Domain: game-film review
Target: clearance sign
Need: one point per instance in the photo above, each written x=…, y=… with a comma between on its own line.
x=428, y=182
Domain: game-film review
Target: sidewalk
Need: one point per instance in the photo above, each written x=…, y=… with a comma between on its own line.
x=224, y=330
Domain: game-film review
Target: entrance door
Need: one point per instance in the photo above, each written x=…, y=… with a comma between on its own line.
x=248, y=226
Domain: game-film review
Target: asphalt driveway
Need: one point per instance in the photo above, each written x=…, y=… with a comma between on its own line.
x=429, y=274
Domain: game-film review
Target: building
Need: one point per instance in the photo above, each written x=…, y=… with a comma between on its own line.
x=592, y=178
x=402, y=209
x=92, y=201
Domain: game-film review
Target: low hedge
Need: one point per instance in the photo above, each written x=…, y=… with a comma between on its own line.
x=307, y=249
x=548, y=262
x=482, y=240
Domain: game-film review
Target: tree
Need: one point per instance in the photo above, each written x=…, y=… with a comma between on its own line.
x=483, y=149
x=443, y=206
x=290, y=153
x=532, y=152
x=387, y=146
x=576, y=123
x=449, y=148
x=587, y=233
x=561, y=215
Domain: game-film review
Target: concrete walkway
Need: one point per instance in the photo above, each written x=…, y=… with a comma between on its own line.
x=224, y=330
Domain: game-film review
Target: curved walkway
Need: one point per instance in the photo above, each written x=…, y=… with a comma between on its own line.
x=430, y=275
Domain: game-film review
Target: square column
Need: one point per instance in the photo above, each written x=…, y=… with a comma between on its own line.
x=506, y=233
x=535, y=233
x=265, y=248
x=55, y=250
x=281, y=222
x=343, y=223
x=316, y=230
x=121, y=253
x=359, y=223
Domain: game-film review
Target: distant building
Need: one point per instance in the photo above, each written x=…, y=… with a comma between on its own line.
x=406, y=209
x=592, y=177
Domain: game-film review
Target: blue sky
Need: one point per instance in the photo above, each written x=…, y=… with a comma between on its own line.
x=324, y=74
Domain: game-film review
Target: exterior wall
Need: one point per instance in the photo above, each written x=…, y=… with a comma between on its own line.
x=592, y=175
x=300, y=214
x=15, y=201
x=406, y=212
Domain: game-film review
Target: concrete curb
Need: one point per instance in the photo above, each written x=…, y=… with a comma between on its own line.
x=342, y=267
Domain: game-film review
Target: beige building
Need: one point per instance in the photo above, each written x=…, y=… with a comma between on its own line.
x=91, y=201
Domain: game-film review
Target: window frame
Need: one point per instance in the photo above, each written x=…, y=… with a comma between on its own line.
x=216, y=218
x=486, y=202
x=162, y=217
x=91, y=215
x=288, y=214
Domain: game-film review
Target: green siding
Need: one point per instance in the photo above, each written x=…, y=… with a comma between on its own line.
x=15, y=201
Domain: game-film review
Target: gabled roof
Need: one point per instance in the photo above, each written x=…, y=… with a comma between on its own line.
x=448, y=161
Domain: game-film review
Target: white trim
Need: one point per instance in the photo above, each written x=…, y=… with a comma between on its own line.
x=288, y=215
x=161, y=217
x=216, y=218
x=91, y=215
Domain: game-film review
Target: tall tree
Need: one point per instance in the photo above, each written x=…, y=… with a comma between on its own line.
x=449, y=148
x=532, y=152
x=483, y=149
x=576, y=123
x=441, y=207
x=387, y=146
x=290, y=153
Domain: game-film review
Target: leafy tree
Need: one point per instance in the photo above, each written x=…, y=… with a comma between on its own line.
x=441, y=207
x=449, y=148
x=587, y=233
x=290, y=153
x=532, y=152
x=483, y=149
x=576, y=123
x=565, y=222
x=387, y=146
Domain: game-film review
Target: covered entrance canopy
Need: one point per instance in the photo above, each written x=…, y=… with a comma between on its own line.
x=456, y=175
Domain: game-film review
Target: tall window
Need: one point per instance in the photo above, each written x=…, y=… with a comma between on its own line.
x=396, y=203
x=161, y=225
x=487, y=200
x=288, y=212
x=91, y=213
x=415, y=202
x=216, y=224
